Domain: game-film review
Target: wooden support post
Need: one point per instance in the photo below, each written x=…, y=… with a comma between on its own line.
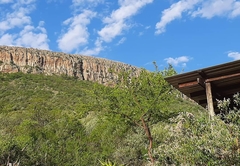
x=209, y=99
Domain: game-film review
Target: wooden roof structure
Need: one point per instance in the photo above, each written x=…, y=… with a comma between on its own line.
x=208, y=84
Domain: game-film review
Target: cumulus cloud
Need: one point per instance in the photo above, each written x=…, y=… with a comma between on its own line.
x=28, y=37
x=77, y=32
x=77, y=35
x=112, y=30
x=234, y=55
x=174, y=12
x=212, y=8
x=33, y=37
x=116, y=22
x=95, y=51
x=23, y=33
x=182, y=60
x=17, y=18
x=236, y=10
x=7, y=39
x=198, y=8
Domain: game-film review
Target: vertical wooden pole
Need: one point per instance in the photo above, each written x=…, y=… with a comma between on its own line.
x=209, y=99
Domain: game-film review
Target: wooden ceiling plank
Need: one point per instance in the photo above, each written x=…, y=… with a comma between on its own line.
x=197, y=93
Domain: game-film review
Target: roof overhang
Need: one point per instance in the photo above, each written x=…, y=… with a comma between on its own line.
x=224, y=79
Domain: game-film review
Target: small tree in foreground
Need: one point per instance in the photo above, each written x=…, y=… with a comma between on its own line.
x=140, y=101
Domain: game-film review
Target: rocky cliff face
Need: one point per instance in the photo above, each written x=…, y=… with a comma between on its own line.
x=29, y=60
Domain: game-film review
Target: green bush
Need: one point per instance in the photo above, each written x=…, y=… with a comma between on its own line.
x=199, y=141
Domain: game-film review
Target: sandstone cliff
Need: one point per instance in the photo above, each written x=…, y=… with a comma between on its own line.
x=29, y=60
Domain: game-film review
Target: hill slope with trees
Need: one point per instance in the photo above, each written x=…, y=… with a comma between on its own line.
x=59, y=120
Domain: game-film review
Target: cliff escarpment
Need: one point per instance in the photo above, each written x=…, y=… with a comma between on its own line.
x=29, y=60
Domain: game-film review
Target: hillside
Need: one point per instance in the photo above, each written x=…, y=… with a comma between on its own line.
x=60, y=120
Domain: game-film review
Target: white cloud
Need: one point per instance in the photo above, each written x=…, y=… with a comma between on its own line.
x=212, y=8
x=28, y=37
x=6, y=39
x=17, y=19
x=54, y=1
x=33, y=37
x=116, y=23
x=198, y=8
x=5, y=1
x=147, y=27
x=79, y=5
x=174, y=12
x=122, y=40
x=77, y=33
x=182, y=60
x=234, y=55
x=112, y=30
x=95, y=51
x=25, y=2
x=236, y=10
x=84, y=2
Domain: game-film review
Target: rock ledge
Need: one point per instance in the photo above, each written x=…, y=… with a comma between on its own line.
x=29, y=60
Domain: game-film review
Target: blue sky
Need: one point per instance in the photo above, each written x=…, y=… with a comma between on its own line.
x=189, y=34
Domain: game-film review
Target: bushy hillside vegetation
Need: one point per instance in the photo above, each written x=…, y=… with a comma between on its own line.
x=52, y=120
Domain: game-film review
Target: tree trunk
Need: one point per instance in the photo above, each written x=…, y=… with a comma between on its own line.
x=149, y=135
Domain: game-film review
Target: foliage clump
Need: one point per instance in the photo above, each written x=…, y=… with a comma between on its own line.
x=198, y=140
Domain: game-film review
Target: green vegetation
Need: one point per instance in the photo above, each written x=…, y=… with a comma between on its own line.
x=53, y=120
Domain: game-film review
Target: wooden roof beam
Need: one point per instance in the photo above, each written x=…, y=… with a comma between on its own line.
x=187, y=84
x=222, y=77
x=199, y=81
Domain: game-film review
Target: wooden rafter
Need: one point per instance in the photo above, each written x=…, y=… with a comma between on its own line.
x=222, y=77
x=199, y=81
x=187, y=84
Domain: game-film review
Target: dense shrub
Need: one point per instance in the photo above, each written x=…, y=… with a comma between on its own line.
x=198, y=140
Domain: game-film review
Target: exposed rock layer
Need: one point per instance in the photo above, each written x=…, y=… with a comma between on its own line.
x=29, y=60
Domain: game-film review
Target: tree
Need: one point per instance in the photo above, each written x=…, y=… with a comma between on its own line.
x=140, y=101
